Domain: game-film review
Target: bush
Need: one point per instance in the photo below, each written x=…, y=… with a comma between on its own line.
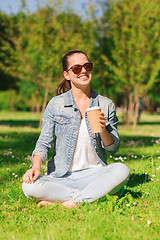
x=8, y=100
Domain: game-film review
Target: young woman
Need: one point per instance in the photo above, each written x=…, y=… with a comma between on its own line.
x=78, y=170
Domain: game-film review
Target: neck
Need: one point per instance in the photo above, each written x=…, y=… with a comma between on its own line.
x=82, y=99
x=81, y=93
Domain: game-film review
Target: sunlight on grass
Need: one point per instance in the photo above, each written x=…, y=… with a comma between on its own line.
x=133, y=216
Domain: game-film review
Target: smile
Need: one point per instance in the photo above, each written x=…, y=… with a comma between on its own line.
x=83, y=76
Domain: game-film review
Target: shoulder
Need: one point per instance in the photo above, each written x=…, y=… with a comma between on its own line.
x=105, y=99
x=59, y=97
x=56, y=104
x=59, y=100
x=106, y=104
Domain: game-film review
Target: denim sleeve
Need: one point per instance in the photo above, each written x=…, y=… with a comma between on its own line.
x=45, y=139
x=111, y=127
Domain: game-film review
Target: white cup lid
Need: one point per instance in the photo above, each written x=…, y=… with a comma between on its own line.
x=93, y=108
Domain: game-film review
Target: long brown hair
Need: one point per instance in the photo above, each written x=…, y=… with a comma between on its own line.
x=65, y=84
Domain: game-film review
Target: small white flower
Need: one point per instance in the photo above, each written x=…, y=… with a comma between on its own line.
x=13, y=173
x=16, y=176
x=157, y=179
x=148, y=222
x=134, y=203
x=124, y=158
x=135, y=156
x=158, y=157
x=146, y=173
x=152, y=179
x=8, y=169
x=127, y=205
x=23, y=163
x=153, y=175
x=132, y=218
x=147, y=193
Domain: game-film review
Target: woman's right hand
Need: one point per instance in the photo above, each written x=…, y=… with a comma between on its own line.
x=31, y=175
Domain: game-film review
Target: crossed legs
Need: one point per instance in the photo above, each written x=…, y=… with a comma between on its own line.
x=80, y=186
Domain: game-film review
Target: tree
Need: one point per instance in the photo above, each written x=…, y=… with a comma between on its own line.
x=132, y=30
x=39, y=41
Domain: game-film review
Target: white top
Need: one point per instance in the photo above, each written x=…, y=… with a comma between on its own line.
x=84, y=155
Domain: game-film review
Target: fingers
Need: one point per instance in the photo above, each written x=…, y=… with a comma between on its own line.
x=31, y=175
x=36, y=175
x=102, y=120
x=28, y=176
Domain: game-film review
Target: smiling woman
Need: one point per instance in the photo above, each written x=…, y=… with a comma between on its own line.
x=78, y=171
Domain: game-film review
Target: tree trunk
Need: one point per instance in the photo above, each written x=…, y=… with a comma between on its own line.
x=130, y=109
x=102, y=81
x=135, y=120
x=44, y=104
x=125, y=111
x=38, y=107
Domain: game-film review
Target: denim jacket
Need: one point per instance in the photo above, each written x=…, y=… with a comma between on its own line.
x=61, y=121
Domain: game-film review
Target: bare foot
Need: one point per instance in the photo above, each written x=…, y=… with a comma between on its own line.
x=69, y=203
x=44, y=203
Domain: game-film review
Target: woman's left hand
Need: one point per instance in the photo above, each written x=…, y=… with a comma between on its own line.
x=106, y=137
x=102, y=121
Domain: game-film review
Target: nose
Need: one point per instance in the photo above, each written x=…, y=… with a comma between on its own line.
x=83, y=69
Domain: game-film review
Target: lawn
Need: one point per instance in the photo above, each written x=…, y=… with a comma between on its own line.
x=136, y=215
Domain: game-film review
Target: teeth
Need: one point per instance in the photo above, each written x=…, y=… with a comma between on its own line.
x=82, y=76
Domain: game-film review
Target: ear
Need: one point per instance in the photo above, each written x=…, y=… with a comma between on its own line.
x=66, y=75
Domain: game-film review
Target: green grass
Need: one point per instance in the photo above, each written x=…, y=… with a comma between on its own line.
x=133, y=216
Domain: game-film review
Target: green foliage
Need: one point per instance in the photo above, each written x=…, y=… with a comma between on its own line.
x=39, y=41
x=123, y=44
x=132, y=37
x=8, y=100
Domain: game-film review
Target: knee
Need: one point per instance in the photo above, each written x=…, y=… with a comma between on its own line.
x=27, y=189
x=124, y=172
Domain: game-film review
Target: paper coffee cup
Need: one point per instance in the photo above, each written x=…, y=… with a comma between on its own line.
x=93, y=118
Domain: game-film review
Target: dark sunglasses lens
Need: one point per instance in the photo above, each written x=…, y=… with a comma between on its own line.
x=77, y=69
x=88, y=66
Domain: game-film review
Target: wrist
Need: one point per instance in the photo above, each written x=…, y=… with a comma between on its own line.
x=37, y=161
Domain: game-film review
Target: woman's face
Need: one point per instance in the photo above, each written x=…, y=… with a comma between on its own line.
x=81, y=79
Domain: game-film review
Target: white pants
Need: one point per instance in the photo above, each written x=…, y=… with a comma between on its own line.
x=83, y=186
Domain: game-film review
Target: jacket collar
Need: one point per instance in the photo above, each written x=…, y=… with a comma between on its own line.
x=69, y=101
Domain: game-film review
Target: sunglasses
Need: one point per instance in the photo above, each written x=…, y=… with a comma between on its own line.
x=76, y=69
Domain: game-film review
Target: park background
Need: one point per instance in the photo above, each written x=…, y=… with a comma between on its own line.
x=122, y=39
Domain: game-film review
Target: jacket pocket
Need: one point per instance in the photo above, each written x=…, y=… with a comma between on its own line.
x=61, y=124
